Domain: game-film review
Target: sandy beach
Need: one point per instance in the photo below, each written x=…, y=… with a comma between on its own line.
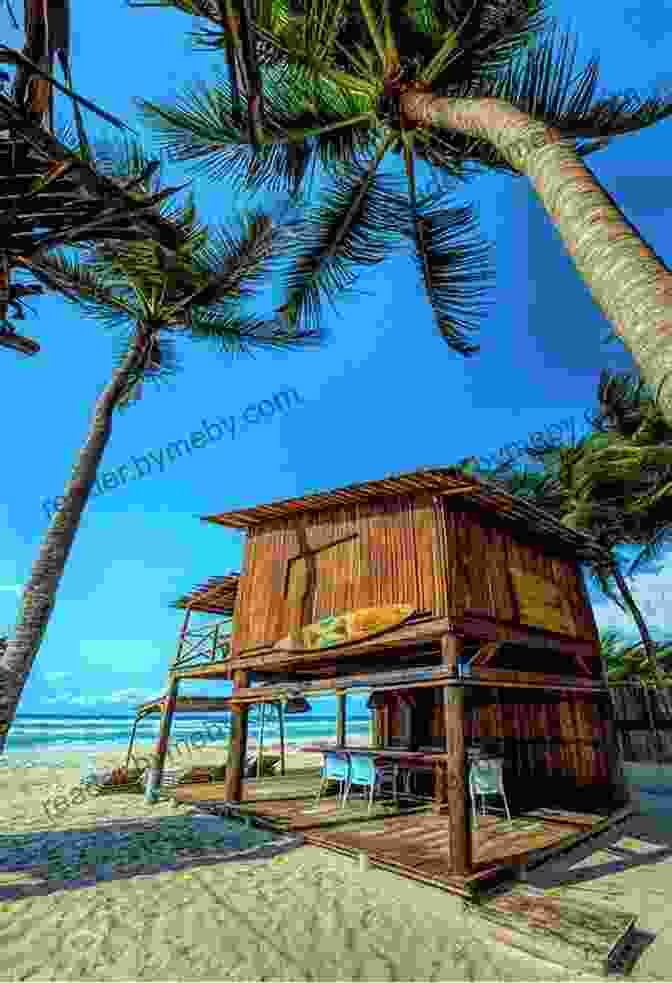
x=301, y=913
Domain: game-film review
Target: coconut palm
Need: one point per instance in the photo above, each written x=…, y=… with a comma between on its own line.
x=461, y=85
x=613, y=483
x=628, y=663
x=197, y=293
x=49, y=193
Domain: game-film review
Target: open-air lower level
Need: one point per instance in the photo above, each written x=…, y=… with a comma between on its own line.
x=405, y=836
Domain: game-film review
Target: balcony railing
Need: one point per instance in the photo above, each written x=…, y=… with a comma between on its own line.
x=205, y=645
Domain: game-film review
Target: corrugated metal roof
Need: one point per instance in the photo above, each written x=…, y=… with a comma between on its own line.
x=453, y=481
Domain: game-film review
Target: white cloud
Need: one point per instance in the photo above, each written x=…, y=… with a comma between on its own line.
x=56, y=677
x=123, y=696
x=128, y=696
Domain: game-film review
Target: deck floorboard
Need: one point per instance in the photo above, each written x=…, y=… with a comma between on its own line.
x=406, y=837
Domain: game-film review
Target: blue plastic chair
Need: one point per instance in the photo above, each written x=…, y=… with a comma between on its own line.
x=336, y=768
x=364, y=771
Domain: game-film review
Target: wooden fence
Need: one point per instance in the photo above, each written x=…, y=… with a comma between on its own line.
x=644, y=722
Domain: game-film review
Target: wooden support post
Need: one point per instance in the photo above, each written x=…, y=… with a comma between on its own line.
x=132, y=741
x=374, y=739
x=340, y=717
x=260, y=749
x=235, y=765
x=454, y=786
x=153, y=786
x=281, y=723
x=182, y=636
x=385, y=712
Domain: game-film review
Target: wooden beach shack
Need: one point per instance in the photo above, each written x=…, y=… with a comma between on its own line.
x=463, y=611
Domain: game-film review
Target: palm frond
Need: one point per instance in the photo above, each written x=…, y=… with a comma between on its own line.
x=652, y=551
x=233, y=266
x=544, y=82
x=236, y=334
x=10, y=55
x=455, y=267
x=303, y=119
x=161, y=363
x=481, y=37
x=83, y=286
x=360, y=219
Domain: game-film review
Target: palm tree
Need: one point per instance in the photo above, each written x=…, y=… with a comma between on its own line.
x=628, y=663
x=461, y=85
x=614, y=484
x=198, y=294
x=49, y=193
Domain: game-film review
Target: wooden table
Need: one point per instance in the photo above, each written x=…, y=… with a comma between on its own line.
x=401, y=759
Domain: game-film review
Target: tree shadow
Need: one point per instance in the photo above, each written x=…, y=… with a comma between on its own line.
x=638, y=841
x=110, y=850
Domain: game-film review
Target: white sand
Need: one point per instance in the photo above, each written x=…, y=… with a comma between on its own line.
x=307, y=914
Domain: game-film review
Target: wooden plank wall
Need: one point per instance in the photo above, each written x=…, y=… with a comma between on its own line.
x=479, y=554
x=390, y=563
x=553, y=744
x=421, y=551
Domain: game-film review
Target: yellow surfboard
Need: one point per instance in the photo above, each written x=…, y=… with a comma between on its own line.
x=349, y=627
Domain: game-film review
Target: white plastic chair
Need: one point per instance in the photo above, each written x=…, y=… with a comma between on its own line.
x=486, y=778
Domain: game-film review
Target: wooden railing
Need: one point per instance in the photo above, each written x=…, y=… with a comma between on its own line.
x=203, y=646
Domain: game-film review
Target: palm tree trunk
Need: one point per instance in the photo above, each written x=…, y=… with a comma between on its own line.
x=648, y=644
x=650, y=648
x=39, y=593
x=628, y=281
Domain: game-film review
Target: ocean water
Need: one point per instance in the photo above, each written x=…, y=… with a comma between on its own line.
x=42, y=739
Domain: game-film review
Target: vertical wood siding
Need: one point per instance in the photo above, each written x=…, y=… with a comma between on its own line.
x=415, y=550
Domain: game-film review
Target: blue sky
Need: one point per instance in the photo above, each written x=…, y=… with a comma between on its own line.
x=385, y=395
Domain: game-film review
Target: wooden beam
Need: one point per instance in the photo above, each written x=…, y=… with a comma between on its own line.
x=454, y=784
x=477, y=624
x=404, y=679
x=235, y=765
x=340, y=718
x=153, y=785
x=542, y=679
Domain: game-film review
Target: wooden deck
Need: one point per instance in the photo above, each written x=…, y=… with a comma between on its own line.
x=406, y=838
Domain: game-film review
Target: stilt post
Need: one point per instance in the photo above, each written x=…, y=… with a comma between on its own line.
x=235, y=766
x=340, y=717
x=132, y=740
x=281, y=723
x=153, y=785
x=182, y=636
x=260, y=751
x=454, y=785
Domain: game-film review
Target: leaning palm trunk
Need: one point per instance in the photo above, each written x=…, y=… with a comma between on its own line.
x=40, y=592
x=629, y=282
x=650, y=649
